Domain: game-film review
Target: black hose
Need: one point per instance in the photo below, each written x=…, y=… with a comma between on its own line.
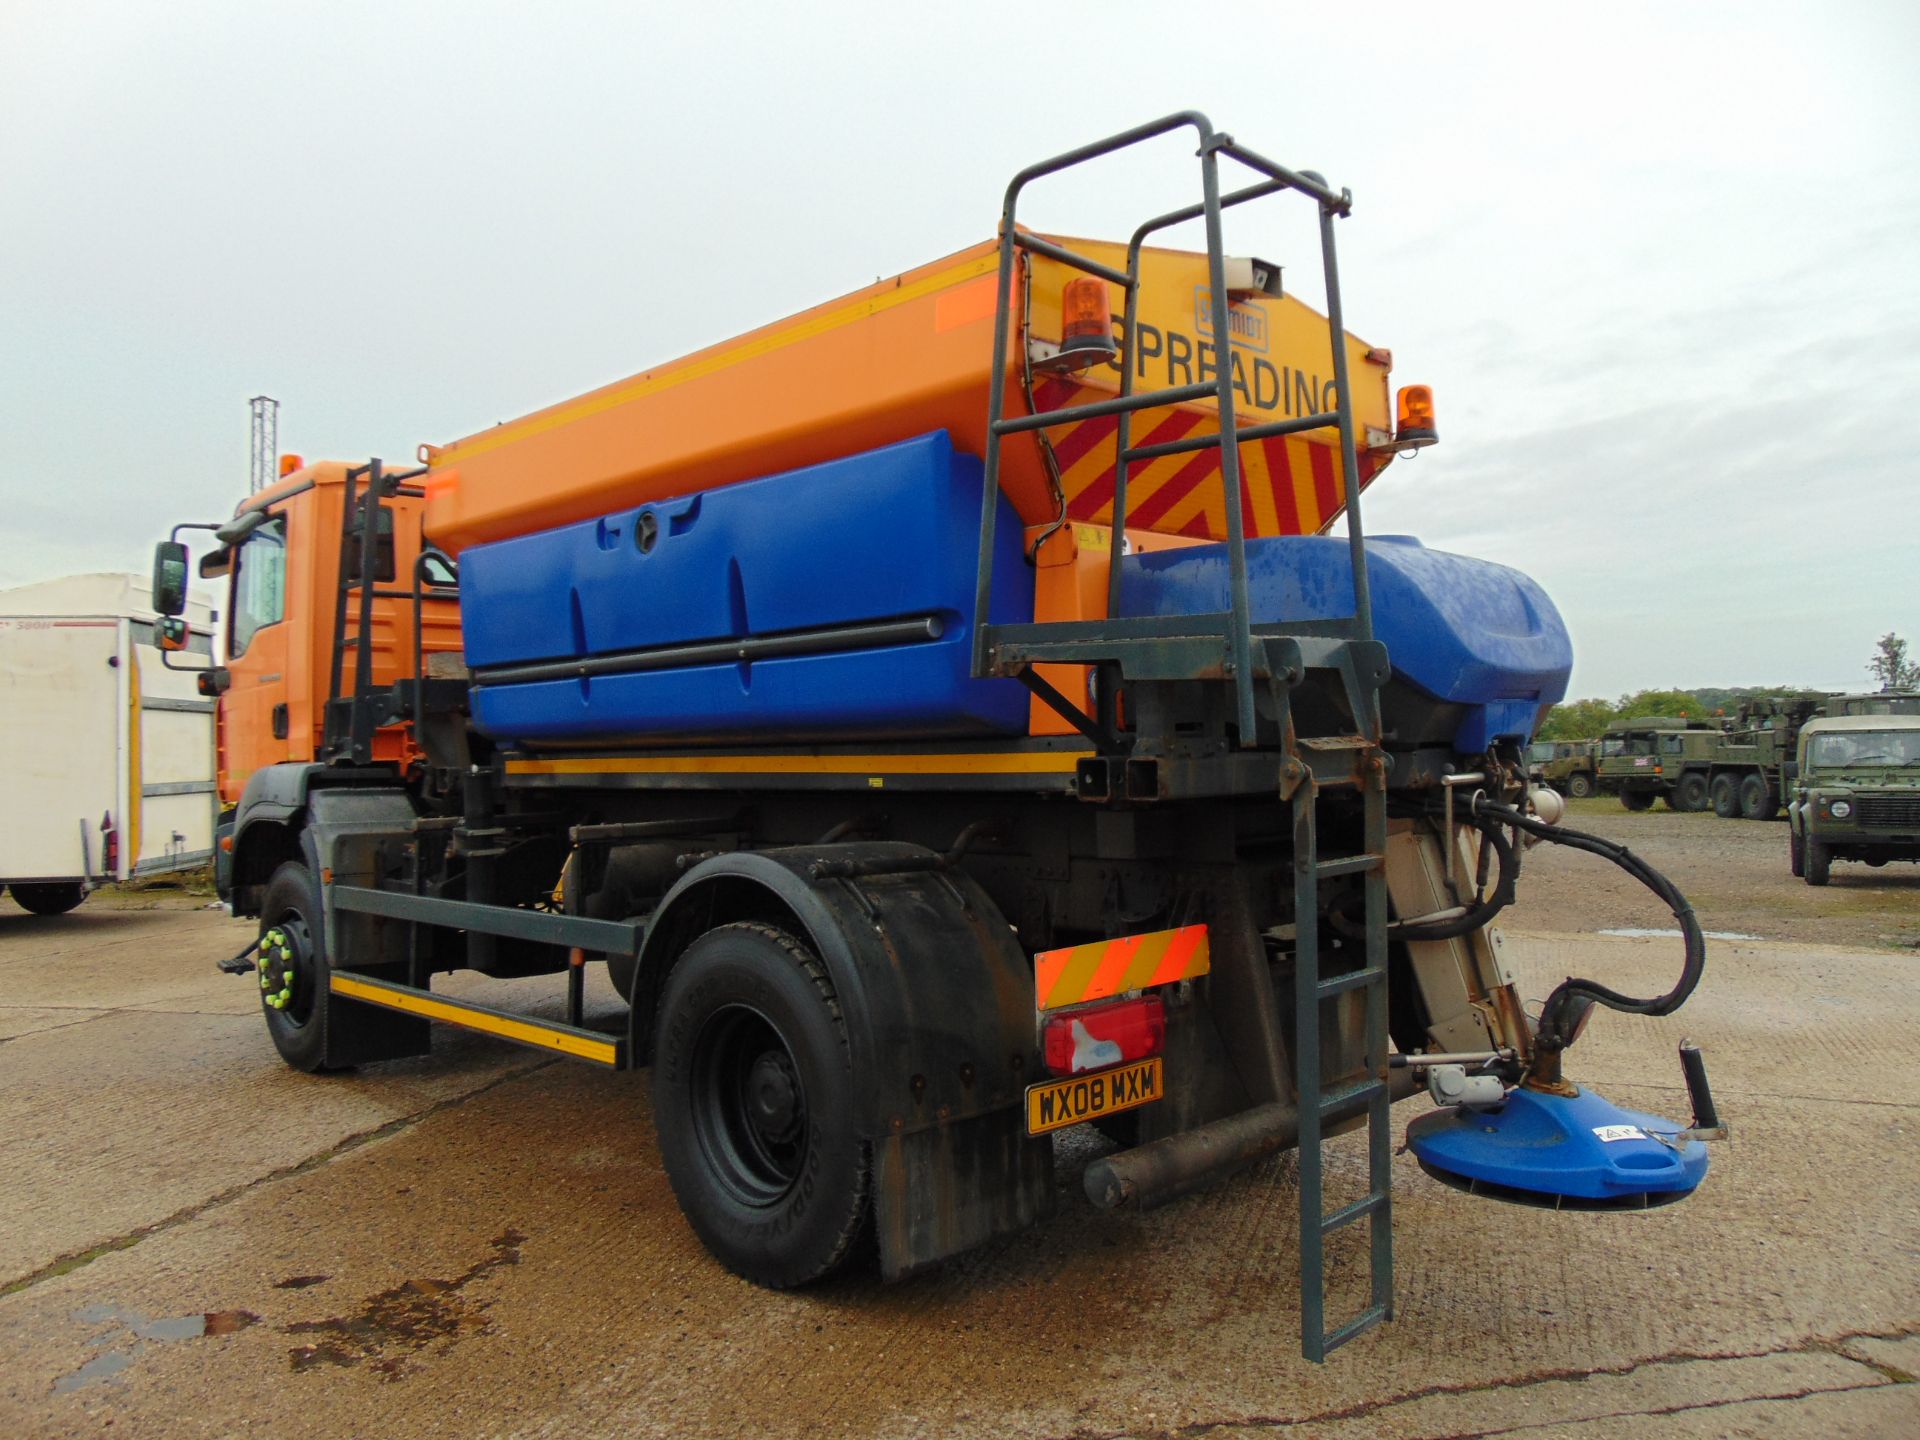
x=1479, y=911
x=1560, y=1016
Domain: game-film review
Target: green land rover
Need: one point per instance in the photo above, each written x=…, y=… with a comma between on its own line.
x=1857, y=793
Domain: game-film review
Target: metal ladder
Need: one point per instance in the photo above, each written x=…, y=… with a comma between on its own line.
x=1317, y=1105
x=1230, y=648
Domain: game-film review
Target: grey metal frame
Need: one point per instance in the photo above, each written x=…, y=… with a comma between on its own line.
x=1190, y=649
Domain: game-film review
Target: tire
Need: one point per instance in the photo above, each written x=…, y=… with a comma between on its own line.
x=1638, y=799
x=293, y=967
x=1580, y=787
x=1757, y=800
x=1818, y=862
x=754, y=1097
x=1690, y=794
x=48, y=899
x=1796, y=855
x=1726, y=797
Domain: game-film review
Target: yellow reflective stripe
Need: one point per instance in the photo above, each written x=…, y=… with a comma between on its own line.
x=601, y=1052
x=1082, y=961
x=1153, y=949
x=1042, y=762
x=651, y=382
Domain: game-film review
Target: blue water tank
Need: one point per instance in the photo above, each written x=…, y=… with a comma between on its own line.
x=883, y=536
x=1465, y=632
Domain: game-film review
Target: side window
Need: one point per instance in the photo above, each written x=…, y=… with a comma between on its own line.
x=1671, y=744
x=259, y=585
x=383, y=570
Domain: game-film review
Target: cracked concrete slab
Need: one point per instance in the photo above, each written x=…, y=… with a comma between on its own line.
x=508, y=1260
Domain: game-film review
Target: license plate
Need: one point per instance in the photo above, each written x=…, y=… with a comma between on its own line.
x=1059, y=1103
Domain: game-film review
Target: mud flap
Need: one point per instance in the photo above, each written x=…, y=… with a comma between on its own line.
x=941, y=1191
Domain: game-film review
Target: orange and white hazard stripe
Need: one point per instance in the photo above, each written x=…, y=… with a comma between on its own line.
x=1111, y=967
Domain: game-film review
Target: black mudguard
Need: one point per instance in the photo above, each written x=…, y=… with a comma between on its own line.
x=938, y=999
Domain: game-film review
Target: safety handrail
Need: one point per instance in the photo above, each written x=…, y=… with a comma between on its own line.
x=1332, y=205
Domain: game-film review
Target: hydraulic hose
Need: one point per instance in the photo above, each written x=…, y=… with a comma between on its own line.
x=1560, y=1017
x=1477, y=914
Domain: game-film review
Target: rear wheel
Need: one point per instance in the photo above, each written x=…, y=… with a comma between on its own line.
x=1690, y=795
x=1796, y=855
x=49, y=899
x=292, y=967
x=1818, y=861
x=1637, y=799
x=1580, y=786
x=754, y=1099
x=1726, y=797
x=1757, y=800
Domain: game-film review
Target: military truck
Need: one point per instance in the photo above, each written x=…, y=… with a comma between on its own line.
x=1752, y=765
x=1651, y=757
x=1753, y=769
x=1566, y=766
x=1856, y=793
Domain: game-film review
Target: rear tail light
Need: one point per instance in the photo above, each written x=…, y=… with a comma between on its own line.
x=1101, y=1035
x=109, y=846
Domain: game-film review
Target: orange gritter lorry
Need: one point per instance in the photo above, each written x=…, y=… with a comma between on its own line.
x=948, y=717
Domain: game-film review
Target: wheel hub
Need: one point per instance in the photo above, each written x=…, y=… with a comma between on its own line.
x=773, y=1096
x=284, y=968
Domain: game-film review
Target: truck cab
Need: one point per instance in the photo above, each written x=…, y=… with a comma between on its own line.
x=1654, y=757
x=1566, y=765
x=290, y=558
x=1857, y=794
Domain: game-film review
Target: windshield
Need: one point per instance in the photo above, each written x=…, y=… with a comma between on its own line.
x=1627, y=745
x=1845, y=750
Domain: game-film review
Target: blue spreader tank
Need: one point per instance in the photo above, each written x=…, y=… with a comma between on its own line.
x=1575, y=1152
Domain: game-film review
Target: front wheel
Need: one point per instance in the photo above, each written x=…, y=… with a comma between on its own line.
x=754, y=1099
x=1796, y=855
x=1637, y=799
x=1580, y=786
x=292, y=967
x=1726, y=798
x=49, y=899
x=1818, y=861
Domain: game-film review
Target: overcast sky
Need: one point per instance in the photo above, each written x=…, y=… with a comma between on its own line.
x=1659, y=262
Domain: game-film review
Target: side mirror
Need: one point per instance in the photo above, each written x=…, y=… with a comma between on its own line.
x=170, y=579
x=171, y=633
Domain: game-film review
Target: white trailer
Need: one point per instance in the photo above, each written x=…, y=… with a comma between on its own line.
x=107, y=758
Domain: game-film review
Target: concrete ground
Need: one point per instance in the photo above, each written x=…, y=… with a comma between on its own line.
x=196, y=1241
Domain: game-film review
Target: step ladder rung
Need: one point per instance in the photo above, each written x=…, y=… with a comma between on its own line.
x=1348, y=1096
x=1365, y=1320
x=1347, y=1214
x=1347, y=865
x=1352, y=980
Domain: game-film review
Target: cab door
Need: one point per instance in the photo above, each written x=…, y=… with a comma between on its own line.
x=255, y=728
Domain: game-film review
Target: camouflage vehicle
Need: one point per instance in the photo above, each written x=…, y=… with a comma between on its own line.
x=1856, y=793
x=1752, y=771
x=1877, y=702
x=1566, y=765
x=1654, y=756
x=1752, y=765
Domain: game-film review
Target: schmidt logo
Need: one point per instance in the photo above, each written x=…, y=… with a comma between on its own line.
x=1246, y=324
